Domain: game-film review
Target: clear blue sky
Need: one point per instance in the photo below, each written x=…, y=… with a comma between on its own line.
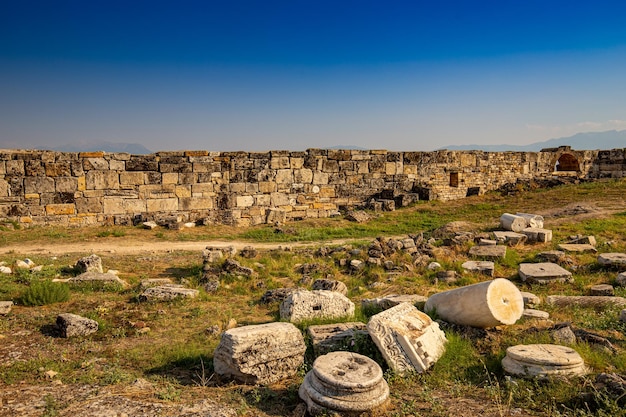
x=261, y=75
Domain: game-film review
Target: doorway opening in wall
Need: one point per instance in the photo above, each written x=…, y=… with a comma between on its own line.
x=454, y=179
x=567, y=162
x=472, y=191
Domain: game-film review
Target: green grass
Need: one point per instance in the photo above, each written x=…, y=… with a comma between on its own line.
x=41, y=293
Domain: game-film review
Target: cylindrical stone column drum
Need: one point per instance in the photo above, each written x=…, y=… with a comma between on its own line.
x=482, y=305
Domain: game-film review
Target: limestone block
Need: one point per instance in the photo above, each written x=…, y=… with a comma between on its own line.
x=196, y=203
x=343, y=382
x=169, y=178
x=532, y=220
x=331, y=337
x=531, y=313
x=585, y=301
x=280, y=162
x=542, y=361
x=304, y=305
x=510, y=238
x=98, y=278
x=392, y=300
x=15, y=167
x=530, y=299
x=167, y=292
x=74, y=325
x=260, y=354
x=489, y=252
x=612, y=259
x=284, y=176
x=602, y=289
x=95, y=163
x=512, y=222
x=577, y=247
x=330, y=285
x=115, y=165
x=66, y=184
x=244, y=201
x=91, y=263
x=102, y=180
x=538, y=235
x=486, y=304
x=113, y=205
x=407, y=338
x=161, y=204
x=543, y=273
x=60, y=209
x=5, y=307
x=482, y=267
x=620, y=281
x=38, y=185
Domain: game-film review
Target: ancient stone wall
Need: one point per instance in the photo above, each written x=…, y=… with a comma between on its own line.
x=247, y=188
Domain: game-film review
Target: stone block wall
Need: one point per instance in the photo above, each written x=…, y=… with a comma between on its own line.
x=248, y=188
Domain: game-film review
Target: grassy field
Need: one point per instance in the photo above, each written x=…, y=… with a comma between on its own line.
x=175, y=353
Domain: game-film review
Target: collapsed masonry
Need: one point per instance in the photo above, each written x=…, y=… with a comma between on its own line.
x=248, y=188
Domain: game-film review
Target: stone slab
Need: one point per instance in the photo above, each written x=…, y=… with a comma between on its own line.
x=393, y=300
x=538, y=235
x=483, y=267
x=543, y=273
x=577, y=247
x=510, y=238
x=97, y=277
x=167, y=292
x=543, y=360
x=612, y=259
x=530, y=299
x=74, y=325
x=489, y=252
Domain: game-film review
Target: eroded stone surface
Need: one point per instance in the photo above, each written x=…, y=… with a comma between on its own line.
x=538, y=235
x=602, y=289
x=577, y=247
x=612, y=259
x=510, y=238
x=392, y=300
x=260, y=354
x=543, y=360
x=482, y=267
x=344, y=382
x=330, y=285
x=91, y=263
x=543, y=273
x=407, y=338
x=585, y=301
x=621, y=279
x=167, y=292
x=74, y=325
x=5, y=307
x=303, y=305
x=530, y=299
x=489, y=252
x=535, y=314
x=340, y=336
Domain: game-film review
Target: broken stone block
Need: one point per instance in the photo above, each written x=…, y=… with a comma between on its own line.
x=211, y=256
x=486, y=304
x=621, y=280
x=530, y=299
x=555, y=256
x=612, y=259
x=340, y=336
x=304, y=305
x=585, y=301
x=577, y=247
x=542, y=361
x=249, y=252
x=531, y=313
x=343, y=382
x=91, y=263
x=543, y=273
x=538, y=235
x=407, y=338
x=259, y=354
x=74, y=325
x=532, y=220
x=5, y=307
x=276, y=295
x=482, y=267
x=447, y=277
x=233, y=267
x=622, y=316
x=96, y=278
x=5, y=270
x=330, y=285
x=358, y=216
x=602, y=289
x=563, y=335
x=487, y=242
x=167, y=292
x=512, y=222
x=154, y=282
x=510, y=238
x=580, y=239
x=149, y=225
x=489, y=252
x=392, y=300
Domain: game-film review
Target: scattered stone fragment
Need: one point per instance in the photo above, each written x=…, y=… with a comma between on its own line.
x=211, y=255
x=149, y=225
x=91, y=263
x=532, y=220
x=612, y=259
x=447, y=277
x=483, y=305
x=74, y=325
x=581, y=239
x=535, y=314
x=612, y=384
x=452, y=229
x=260, y=354
x=276, y=295
x=358, y=216
x=407, y=338
x=602, y=289
x=5, y=270
x=622, y=316
x=510, y=238
x=303, y=305
x=233, y=267
x=167, y=292
x=154, y=282
x=489, y=252
x=356, y=265
x=621, y=280
x=482, y=267
x=433, y=266
x=577, y=247
x=343, y=382
x=512, y=222
x=563, y=335
x=249, y=252
x=530, y=299
x=487, y=242
x=555, y=256
x=392, y=300
x=5, y=307
x=340, y=336
x=585, y=301
x=96, y=277
x=543, y=273
x=24, y=264
x=542, y=361
x=538, y=235
x=330, y=285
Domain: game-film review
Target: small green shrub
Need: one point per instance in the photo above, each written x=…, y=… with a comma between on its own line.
x=45, y=292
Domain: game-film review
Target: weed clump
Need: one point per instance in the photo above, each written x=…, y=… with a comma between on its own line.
x=45, y=292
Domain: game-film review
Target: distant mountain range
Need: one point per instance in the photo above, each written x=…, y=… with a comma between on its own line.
x=610, y=139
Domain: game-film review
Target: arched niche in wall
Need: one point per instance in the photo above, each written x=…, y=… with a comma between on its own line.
x=567, y=162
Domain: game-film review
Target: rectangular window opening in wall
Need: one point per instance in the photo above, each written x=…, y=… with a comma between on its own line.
x=454, y=179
